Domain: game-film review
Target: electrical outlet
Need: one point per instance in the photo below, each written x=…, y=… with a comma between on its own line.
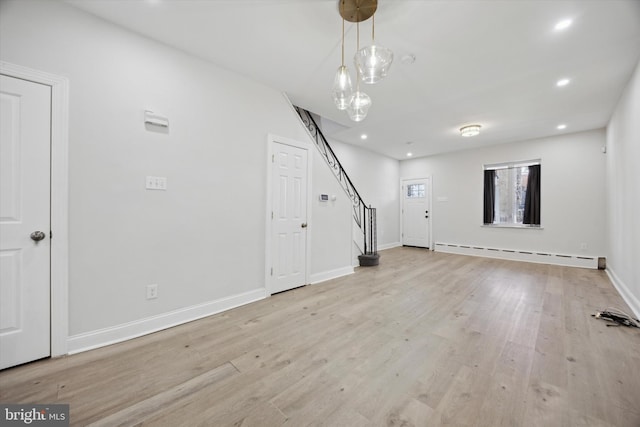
x=152, y=291
x=584, y=246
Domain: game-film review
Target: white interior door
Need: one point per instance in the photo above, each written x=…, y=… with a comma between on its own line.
x=415, y=212
x=25, y=141
x=289, y=217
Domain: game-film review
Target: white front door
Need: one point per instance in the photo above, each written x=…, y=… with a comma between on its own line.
x=415, y=212
x=289, y=217
x=25, y=141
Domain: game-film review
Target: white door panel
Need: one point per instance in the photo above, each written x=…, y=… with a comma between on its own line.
x=415, y=212
x=25, y=114
x=289, y=205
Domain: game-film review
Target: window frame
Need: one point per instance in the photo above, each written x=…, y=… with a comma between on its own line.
x=511, y=165
x=421, y=193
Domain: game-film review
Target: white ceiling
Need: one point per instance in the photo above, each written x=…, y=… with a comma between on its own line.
x=491, y=62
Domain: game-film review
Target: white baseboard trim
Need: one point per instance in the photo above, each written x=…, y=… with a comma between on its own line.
x=538, y=257
x=389, y=246
x=126, y=331
x=623, y=290
x=331, y=274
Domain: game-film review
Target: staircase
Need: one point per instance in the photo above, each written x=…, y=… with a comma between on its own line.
x=364, y=216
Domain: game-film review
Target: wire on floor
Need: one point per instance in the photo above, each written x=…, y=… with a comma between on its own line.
x=618, y=317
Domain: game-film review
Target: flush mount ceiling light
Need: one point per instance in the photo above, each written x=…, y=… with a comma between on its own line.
x=372, y=62
x=562, y=82
x=470, y=130
x=562, y=126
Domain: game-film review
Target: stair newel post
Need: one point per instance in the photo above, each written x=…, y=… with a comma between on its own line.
x=374, y=231
x=364, y=226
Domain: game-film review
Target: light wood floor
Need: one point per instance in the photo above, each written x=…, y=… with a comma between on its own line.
x=425, y=339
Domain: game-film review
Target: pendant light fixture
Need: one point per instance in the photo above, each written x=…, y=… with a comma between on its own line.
x=342, y=88
x=360, y=101
x=373, y=61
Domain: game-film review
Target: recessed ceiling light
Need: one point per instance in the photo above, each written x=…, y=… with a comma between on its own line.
x=563, y=25
x=562, y=126
x=562, y=82
x=409, y=154
x=363, y=136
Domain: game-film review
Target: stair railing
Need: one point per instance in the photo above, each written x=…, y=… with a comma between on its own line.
x=363, y=215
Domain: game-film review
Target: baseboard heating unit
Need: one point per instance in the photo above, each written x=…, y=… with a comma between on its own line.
x=520, y=255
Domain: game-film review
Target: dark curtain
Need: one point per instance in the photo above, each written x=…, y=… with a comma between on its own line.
x=532, y=197
x=489, y=195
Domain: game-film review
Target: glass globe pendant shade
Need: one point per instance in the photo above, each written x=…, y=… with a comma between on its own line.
x=373, y=63
x=358, y=106
x=342, y=89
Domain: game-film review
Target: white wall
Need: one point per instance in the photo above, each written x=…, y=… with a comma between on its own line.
x=330, y=226
x=573, y=194
x=377, y=179
x=623, y=194
x=202, y=240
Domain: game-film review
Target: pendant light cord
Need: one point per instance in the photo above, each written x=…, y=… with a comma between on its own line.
x=373, y=28
x=357, y=50
x=343, y=36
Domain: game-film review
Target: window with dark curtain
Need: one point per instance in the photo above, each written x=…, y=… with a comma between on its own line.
x=489, y=195
x=532, y=197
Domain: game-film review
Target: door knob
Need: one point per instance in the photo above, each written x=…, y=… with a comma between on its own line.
x=303, y=225
x=36, y=236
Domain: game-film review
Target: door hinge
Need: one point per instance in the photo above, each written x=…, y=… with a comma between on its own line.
x=273, y=158
x=272, y=271
x=50, y=234
x=271, y=214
